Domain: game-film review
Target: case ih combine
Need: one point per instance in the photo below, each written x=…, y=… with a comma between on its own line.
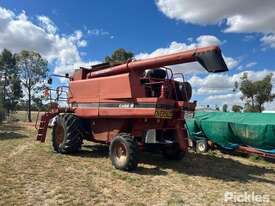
x=129, y=106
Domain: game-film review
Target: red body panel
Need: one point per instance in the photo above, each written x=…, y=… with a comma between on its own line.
x=117, y=103
x=122, y=86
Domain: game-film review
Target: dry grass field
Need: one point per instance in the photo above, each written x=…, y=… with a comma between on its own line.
x=32, y=174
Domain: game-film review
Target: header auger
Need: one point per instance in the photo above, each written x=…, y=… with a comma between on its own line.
x=129, y=106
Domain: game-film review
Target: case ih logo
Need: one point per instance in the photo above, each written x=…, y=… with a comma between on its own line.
x=126, y=105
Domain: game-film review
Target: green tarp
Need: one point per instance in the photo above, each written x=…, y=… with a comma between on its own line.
x=227, y=128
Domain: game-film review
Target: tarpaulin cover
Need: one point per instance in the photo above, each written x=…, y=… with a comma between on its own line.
x=227, y=128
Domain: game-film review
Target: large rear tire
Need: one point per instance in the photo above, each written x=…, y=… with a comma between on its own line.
x=124, y=152
x=66, y=134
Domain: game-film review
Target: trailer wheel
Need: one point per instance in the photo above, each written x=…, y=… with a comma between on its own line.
x=124, y=152
x=201, y=146
x=172, y=152
x=66, y=134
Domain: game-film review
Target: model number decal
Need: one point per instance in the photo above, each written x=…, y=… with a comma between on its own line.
x=165, y=114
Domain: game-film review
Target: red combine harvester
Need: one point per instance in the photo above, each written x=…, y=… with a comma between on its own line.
x=129, y=106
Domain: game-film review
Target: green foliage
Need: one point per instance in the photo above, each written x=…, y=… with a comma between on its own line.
x=33, y=70
x=248, y=89
x=119, y=56
x=256, y=93
x=10, y=81
x=264, y=88
x=224, y=108
x=237, y=108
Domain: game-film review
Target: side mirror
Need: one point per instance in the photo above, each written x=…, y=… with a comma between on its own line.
x=50, y=80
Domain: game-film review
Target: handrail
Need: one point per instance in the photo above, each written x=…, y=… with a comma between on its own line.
x=36, y=121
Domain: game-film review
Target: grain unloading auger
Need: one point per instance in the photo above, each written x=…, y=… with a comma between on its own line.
x=130, y=106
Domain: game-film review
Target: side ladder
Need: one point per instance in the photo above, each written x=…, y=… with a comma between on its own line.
x=43, y=125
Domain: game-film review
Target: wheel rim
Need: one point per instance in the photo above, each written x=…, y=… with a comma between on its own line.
x=120, y=153
x=59, y=133
x=201, y=147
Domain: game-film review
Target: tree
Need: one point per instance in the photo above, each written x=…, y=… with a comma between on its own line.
x=119, y=56
x=236, y=108
x=33, y=69
x=256, y=93
x=264, y=89
x=224, y=108
x=248, y=90
x=16, y=92
x=11, y=85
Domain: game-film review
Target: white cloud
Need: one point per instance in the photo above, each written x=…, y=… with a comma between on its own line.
x=269, y=40
x=248, y=38
x=62, y=69
x=82, y=43
x=201, y=41
x=217, y=89
x=251, y=64
x=6, y=14
x=207, y=40
x=47, y=24
x=270, y=106
x=99, y=32
x=17, y=32
x=231, y=62
x=223, y=83
x=229, y=99
x=238, y=16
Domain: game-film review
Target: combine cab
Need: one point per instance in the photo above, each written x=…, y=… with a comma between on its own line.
x=130, y=107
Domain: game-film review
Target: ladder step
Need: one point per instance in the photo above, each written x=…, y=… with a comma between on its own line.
x=43, y=126
x=39, y=137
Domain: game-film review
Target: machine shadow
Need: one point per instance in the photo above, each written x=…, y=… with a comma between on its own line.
x=193, y=164
x=221, y=168
x=94, y=151
x=9, y=131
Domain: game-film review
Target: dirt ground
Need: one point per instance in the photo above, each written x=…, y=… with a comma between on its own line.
x=32, y=174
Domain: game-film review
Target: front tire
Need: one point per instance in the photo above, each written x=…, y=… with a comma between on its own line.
x=124, y=152
x=66, y=134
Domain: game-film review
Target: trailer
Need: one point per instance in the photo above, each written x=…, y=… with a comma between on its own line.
x=252, y=133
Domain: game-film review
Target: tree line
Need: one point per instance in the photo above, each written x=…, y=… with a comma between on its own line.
x=21, y=79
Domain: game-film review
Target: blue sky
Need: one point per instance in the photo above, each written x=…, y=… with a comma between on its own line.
x=73, y=33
